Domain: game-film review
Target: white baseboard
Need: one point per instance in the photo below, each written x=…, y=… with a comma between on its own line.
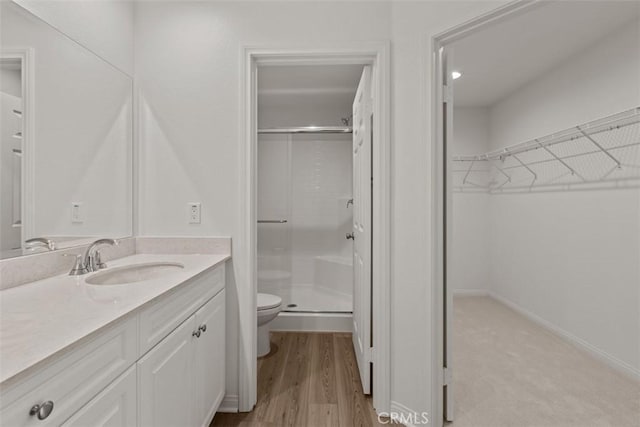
x=229, y=403
x=470, y=292
x=312, y=322
x=604, y=357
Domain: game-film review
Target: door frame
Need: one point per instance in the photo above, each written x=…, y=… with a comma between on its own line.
x=438, y=182
x=27, y=208
x=376, y=54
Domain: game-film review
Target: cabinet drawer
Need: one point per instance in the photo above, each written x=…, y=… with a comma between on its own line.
x=114, y=406
x=74, y=379
x=163, y=316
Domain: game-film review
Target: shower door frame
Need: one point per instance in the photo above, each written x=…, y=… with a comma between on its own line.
x=376, y=54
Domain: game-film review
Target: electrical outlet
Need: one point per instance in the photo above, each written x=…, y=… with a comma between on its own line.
x=194, y=213
x=77, y=213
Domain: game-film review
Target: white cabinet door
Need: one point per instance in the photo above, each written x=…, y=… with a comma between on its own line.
x=115, y=406
x=165, y=380
x=210, y=359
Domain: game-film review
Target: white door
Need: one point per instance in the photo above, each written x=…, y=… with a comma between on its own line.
x=165, y=380
x=210, y=359
x=362, y=184
x=447, y=132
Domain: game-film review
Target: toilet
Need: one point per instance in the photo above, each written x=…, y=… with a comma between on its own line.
x=268, y=308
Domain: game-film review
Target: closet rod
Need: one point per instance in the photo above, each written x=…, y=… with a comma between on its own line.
x=309, y=129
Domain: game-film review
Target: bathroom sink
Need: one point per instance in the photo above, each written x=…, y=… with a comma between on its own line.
x=134, y=273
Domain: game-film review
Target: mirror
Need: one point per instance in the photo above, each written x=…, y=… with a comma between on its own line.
x=66, y=154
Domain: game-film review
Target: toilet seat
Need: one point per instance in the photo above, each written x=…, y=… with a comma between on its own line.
x=268, y=301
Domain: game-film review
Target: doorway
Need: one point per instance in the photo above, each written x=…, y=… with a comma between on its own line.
x=364, y=55
x=538, y=171
x=17, y=154
x=11, y=109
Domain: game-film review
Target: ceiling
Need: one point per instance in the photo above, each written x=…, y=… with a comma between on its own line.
x=289, y=86
x=504, y=57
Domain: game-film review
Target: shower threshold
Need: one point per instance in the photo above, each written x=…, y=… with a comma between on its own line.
x=290, y=309
x=313, y=321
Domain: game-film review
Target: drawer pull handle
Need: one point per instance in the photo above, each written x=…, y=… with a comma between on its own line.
x=43, y=411
x=196, y=333
x=203, y=328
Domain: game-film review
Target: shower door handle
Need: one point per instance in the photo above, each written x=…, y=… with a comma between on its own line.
x=350, y=236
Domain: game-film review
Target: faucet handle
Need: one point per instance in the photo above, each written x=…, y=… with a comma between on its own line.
x=42, y=241
x=78, y=267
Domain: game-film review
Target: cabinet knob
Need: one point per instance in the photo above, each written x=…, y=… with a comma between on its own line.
x=203, y=328
x=196, y=333
x=43, y=410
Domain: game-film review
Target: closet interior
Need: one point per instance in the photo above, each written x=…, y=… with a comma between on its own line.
x=544, y=183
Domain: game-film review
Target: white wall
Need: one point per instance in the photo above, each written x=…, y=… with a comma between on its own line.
x=471, y=235
x=103, y=26
x=295, y=110
x=572, y=257
x=187, y=59
x=187, y=68
x=601, y=81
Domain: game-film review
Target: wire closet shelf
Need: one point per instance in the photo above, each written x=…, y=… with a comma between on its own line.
x=602, y=151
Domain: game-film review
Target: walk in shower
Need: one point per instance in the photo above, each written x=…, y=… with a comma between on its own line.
x=304, y=216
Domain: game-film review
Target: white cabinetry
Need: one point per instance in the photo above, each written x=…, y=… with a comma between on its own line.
x=114, y=406
x=162, y=365
x=165, y=380
x=181, y=380
x=70, y=382
x=210, y=360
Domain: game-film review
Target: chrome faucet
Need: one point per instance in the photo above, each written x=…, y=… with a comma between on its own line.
x=92, y=261
x=41, y=241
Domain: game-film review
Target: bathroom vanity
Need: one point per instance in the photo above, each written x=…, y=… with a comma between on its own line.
x=150, y=352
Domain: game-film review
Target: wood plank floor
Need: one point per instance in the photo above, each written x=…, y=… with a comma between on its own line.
x=308, y=379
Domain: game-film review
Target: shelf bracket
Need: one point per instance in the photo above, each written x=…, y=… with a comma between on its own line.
x=545, y=148
x=535, y=176
x=464, y=180
x=586, y=135
x=501, y=171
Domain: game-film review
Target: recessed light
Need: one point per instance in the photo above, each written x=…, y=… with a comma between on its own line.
x=455, y=75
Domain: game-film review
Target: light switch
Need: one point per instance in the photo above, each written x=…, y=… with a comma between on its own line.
x=77, y=213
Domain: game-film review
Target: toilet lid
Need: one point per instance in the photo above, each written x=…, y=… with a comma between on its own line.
x=267, y=301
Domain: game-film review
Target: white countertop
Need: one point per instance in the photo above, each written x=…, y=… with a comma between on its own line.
x=39, y=319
